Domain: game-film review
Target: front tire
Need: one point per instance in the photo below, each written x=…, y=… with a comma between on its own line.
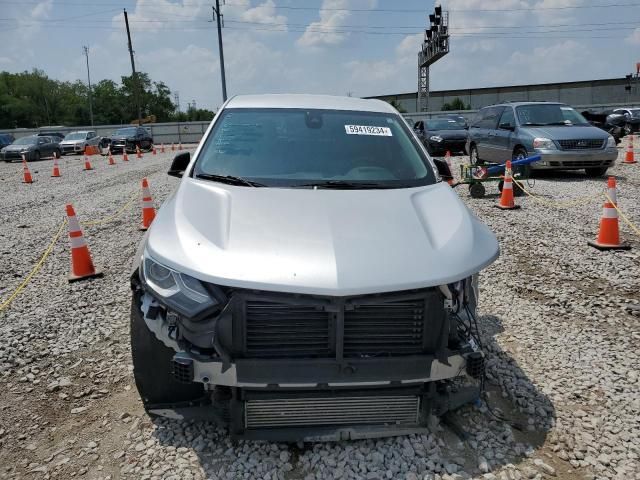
x=595, y=172
x=628, y=129
x=474, y=159
x=151, y=367
x=518, y=154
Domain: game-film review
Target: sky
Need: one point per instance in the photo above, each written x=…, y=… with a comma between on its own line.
x=354, y=47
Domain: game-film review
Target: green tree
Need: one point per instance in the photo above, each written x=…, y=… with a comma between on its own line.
x=456, y=104
x=395, y=104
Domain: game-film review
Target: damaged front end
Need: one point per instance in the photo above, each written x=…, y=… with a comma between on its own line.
x=291, y=367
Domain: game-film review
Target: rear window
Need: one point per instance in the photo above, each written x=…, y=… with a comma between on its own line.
x=296, y=147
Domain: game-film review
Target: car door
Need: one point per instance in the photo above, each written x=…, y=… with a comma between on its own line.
x=43, y=146
x=477, y=133
x=487, y=130
x=503, y=139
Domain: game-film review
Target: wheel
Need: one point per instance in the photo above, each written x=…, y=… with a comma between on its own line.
x=151, y=366
x=595, y=171
x=477, y=190
x=628, y=129
x=524, y=170
x=474, y=159
x=57, y=153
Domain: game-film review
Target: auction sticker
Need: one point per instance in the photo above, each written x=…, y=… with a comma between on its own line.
x=368, y=130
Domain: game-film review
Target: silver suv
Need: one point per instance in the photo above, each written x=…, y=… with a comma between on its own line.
x=311, y=278
x=564, y=139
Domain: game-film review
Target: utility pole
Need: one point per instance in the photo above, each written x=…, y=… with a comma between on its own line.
x=136, y=86
x=176, y=101
x=86, y=54
x=218, y=17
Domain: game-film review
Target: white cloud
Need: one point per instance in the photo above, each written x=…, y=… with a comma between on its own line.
x=328, y=32
x=266, y=13
x=42, y=10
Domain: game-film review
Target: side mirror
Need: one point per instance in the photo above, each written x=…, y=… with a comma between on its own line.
x=179, y=164
x=506, y=126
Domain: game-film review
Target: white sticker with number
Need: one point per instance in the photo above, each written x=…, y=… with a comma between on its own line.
x=368, y=130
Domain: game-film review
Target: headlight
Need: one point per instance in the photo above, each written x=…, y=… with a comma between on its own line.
x=611, y=142
x=435, y=138
x=544, y=143
x=180, y=292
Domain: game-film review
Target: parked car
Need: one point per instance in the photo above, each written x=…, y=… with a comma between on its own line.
x=442, y=134
x=607, y=120
x=560, y=135
x=32, y=147
x=631, y=119
x=76, y=142
x=6, y=139
x=127, y=138
x=57, y=136
x=311, y=278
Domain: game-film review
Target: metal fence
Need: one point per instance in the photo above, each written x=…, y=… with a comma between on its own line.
x=173, y=132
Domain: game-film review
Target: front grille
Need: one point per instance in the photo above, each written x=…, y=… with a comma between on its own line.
x=12, y=155
x=580, y=144
x=284, y=330
x=390, y=328
x=293, y=412
x=182, y=369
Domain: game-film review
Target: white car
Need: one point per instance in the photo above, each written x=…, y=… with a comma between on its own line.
x=76, y=142
x=311, y=278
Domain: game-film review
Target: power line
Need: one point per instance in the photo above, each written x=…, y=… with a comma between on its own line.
x=315, y=9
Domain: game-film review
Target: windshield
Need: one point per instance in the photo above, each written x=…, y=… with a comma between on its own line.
x=635, y=113
x=76, y=136
x=304, y=148
x=26, y=141
x=549, y=114
x=444, y=124
x=126, y=131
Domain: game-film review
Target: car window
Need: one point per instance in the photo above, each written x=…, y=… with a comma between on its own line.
x=542, y=114
x=43, y=140
x=444, y=124
x=490, y=117
x=508, y=117
x=294, y=147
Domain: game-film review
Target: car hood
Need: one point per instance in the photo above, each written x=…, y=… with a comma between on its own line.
x=331, y=242
x=71, y=142
x=568, y=133
x=121, y=137
x=448, y=134
x=18, y=148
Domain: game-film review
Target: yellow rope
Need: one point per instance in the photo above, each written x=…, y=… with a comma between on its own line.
x=567, y=204
x=623, y=216
x=52, y=243
x=35, y=269
x=111, y=217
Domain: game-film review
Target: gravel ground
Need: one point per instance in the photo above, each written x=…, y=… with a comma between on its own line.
x=559, y=322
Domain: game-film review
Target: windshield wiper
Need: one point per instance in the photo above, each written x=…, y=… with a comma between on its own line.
x=229, y=179
x=560, y=123
x=534, y=124
x=343, y=185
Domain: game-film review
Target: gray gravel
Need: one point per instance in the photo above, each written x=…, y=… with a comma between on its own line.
x=559, y=322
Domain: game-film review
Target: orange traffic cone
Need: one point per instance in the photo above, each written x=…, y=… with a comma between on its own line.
x=162, y=148
x=138, y=152
x=148, y=212
x=609, y=233
x=81, y=263
x=56, y=168
x=628, y=158
x=506, y=199
x=87, y=163
x=180, y=146
x=125, y=157
x=111, y=159
x=25, y=171
x=447, y=158
x=173, y=147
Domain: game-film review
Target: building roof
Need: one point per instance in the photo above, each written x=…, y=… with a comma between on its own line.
x=328, y=102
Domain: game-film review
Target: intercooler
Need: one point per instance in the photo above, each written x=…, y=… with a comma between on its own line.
x=332, y=411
